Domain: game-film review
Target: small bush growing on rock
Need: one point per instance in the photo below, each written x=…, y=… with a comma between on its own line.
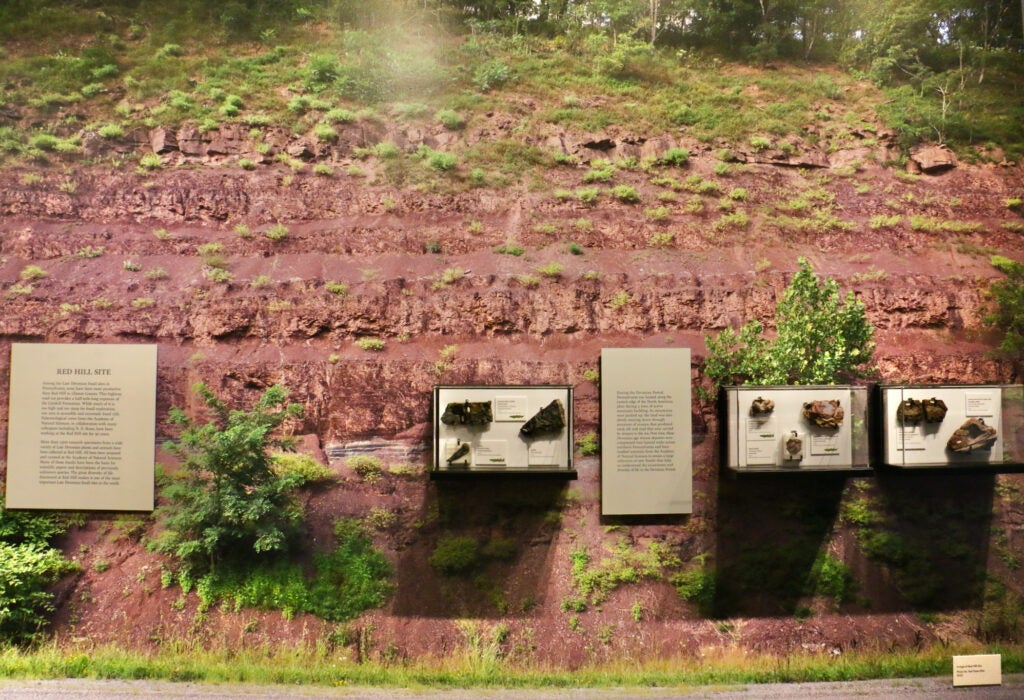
x=588, y=445
x=675, y=156
x=31, y=273
x=303, y=466
x=367, y=467
x=551, y=270
x=455, y=555
x=370, y=344
x=450, y=119
x=150, y=161
x=111, y=131
x=277, y=232
x=338, y=289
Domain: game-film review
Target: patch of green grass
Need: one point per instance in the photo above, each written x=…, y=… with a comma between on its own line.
x=370, y=344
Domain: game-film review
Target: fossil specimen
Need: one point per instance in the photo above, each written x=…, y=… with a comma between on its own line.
x=550, y=419
x=934, y=410
x=914, y=410
x=824, y=414
x=794, y=446
x=460, y=455
x=467, y=413
x=762, y=407
x=972, y=435
x=910, y=411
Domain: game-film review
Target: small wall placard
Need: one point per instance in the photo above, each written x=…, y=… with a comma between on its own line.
x=646, y=436
x=82, y=427
x=978, y=669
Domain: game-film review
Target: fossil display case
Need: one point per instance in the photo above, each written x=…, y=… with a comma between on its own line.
x=796, y=429
x=510, y=430
x=943, y=426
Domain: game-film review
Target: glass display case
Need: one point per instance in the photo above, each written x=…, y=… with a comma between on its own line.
x=935, y=426
x=510, y=430
x=778, y=429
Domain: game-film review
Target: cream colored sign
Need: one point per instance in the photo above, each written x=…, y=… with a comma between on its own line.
x=978, y=669
x=82, y=427
x=646, y=441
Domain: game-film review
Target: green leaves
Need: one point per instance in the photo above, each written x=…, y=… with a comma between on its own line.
x=28, y=565
x=229, y=499
x=820, y=338
x=1008, y=314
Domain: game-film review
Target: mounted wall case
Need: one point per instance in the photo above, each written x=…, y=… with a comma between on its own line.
x=503, y=430
x=965, y=426
x=778, y=429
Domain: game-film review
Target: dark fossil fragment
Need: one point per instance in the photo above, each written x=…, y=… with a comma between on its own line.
x=824, y=414
x=550, y=419
x=934, y=410
x=467, y=413
x=761, y=407
x=915, y=410
x=910, y=411
x=460, y=455
x=972, y=435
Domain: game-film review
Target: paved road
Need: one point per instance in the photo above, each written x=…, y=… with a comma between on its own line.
x=913, y=688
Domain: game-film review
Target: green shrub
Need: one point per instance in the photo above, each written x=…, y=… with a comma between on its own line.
x=367, y=467
x=325, y=132
x=1008, y=314
x=370, y=344
x=340, y=116
x=588, y=445
x=111, y=131
x=150, y=161
x=450, y=119
x=277, y=232
x=820, y=339
x=491, y=74
x=31, y=273
x=307, y=469
x=455, y=555
x=227, y=501
x=551, y=269
x=347, y=580
x=675, y=156
x=442, y=162
x=28, y=567
x=338, y=289
x=626, y=193
x=588, y=195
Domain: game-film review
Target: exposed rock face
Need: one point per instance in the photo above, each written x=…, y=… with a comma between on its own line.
x=933, y=159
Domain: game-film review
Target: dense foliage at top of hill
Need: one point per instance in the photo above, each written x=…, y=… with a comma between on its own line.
x=942, y=73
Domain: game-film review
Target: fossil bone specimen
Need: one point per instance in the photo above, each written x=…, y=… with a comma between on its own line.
x=550, y=419
x=460, y=455
x=824, y=414
x=761, y=407
x=467, y=413
x=972, y=435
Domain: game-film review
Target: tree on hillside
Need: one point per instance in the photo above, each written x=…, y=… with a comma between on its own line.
x=228, y=500
x=820, y=338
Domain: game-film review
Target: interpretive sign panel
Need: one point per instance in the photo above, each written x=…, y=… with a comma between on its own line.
x=949, y=426
x=798, y=428
x=978, y=669
x=82, y=427
x=503, y=429
x=646, y=448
